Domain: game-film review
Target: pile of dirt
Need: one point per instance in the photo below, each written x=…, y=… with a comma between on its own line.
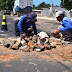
x=8, y=57
x=59, y=53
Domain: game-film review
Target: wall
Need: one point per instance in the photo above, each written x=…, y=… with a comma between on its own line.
x=25, y=3
x=47, y=12
x=70, y=13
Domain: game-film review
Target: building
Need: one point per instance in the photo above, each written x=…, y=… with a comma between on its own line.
x=54, y=9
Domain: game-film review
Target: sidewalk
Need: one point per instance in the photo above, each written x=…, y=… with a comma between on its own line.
x=47, y=18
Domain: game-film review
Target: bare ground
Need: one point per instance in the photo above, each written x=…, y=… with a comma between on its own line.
x=59, y=53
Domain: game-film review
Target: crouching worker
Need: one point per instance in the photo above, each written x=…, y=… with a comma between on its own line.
x=27, y=26
x=66, y=27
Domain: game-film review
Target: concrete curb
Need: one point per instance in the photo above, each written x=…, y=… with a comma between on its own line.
x=46, y=18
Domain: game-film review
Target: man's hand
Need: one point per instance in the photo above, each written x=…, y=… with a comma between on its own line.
x=24, y=35
x=57, y=31
x=56, y=34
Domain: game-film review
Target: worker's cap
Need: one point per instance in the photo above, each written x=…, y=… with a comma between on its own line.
x=32, y=16
x=59, y=13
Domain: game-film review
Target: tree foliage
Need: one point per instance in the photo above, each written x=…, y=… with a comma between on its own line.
x=66, y=4
x=6, y=4
x=42, y=5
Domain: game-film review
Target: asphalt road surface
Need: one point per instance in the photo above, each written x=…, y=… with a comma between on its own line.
x=29, y=62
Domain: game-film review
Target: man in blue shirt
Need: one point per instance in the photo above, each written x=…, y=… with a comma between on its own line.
x=27, y=26
x=66, y=27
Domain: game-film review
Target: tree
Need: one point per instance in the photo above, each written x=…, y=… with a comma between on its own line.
x=42, y=5
x=6, y=4
x=62, y=3
x=70, y=0
x=66, y=4
x=48, y=5
x=33, y=6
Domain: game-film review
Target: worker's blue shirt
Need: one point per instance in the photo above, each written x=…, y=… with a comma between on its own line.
x=24, y=25
x=67, y=24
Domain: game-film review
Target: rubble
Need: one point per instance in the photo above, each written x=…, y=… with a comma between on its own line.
x=37, y=43
x=24, y=48
x=38, y=50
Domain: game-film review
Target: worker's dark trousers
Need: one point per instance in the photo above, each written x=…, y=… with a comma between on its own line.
x=66, y=34
x=29, y=31
x=17, y=33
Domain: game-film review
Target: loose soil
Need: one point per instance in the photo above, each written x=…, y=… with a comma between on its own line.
x=59, y=53
x=8, y=57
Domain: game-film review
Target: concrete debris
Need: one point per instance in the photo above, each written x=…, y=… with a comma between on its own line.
x=8, y=42
x=42, y=38
x=57, y=41
x=38, y=50
x=47, y=46
x=57, y=36
x=23, y=42
x=19, y=39
x=16, y=45
x=37, y=43
x=40, y=46
x=25, y=48
x=31, y=45
x=34, y=39
x=43, y=35
x=53, y=44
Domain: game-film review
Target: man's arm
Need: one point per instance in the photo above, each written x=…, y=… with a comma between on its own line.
x=67, y=26
x=20, y=26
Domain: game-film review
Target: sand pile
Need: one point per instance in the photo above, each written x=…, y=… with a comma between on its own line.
x=8, y=57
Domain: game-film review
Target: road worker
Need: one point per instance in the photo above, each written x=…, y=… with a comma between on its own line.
x=66, y=26
x=27, y=26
